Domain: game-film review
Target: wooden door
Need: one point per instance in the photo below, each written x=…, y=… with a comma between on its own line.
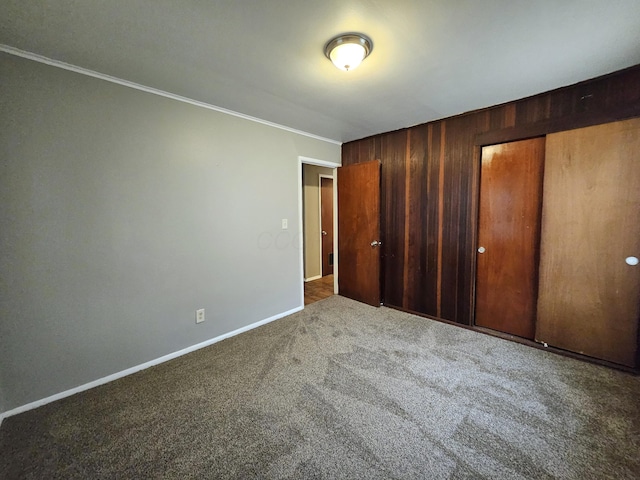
x=326, y=224
x=589, y=299
x=359, y=232
x=508, y=236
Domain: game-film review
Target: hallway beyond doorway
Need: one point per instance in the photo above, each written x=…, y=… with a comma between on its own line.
x=318, y=289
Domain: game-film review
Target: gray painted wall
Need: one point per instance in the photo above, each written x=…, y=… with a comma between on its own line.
x=311, y=202
x=122, y=212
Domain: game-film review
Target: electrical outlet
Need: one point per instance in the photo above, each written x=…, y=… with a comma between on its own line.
x=200, y=315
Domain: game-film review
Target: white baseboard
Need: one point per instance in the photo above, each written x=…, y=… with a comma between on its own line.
x=137, y=368
x=311, y=279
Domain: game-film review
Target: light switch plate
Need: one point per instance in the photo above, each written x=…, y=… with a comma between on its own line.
x=285, y=223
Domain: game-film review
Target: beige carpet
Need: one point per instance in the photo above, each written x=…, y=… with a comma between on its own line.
x=342, y=390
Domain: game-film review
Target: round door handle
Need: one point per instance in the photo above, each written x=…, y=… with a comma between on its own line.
x=375, y=243
x=323, y=232
x=481, y=250
x=633, y=261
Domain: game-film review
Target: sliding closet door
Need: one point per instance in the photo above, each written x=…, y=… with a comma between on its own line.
x=589, y=298
x=508, y=236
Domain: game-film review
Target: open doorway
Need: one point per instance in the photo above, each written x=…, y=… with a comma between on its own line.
x=318, y=229
x=326, y=224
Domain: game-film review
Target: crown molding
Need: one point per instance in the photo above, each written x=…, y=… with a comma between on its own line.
x=136, y=86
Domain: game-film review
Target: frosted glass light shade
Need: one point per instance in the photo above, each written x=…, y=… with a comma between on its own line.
x=347, y=56
x=347, y=51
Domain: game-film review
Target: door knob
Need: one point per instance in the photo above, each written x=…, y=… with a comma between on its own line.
x=323, y=232
x=375, y=243
x=633, y=261
x=481, y=250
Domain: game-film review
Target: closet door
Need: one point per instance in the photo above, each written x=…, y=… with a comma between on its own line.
x=589, y=297
x=509, y=236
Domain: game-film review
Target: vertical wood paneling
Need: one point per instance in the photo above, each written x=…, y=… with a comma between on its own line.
x=415, y=220
x=533, y=110
x=434, y=152
x=623, y=92
x=393, y=151
x=457, y=236
x=562, y=103
x=429, y=186
x=409, y=173
x=441, y=182
x=501, y=117
x=467, y=221
x=453, y=143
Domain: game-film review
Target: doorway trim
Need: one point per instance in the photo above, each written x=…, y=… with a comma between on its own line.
x=319, y=163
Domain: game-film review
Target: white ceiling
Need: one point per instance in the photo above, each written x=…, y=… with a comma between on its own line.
x=264, y=58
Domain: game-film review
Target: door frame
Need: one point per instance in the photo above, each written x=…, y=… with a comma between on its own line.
x=334, y=166
x=333, y=186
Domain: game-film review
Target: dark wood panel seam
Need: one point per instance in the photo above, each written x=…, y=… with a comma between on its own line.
x=407, y=215
x=475, y=211
x=440, y=217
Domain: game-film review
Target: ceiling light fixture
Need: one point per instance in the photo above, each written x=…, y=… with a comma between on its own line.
x=348, y=50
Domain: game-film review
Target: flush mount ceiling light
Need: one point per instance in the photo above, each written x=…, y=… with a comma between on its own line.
x=348, y=50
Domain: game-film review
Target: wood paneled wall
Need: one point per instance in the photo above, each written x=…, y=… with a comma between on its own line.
x=430, y=186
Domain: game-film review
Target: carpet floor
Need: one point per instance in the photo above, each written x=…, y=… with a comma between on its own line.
x=342, y=390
